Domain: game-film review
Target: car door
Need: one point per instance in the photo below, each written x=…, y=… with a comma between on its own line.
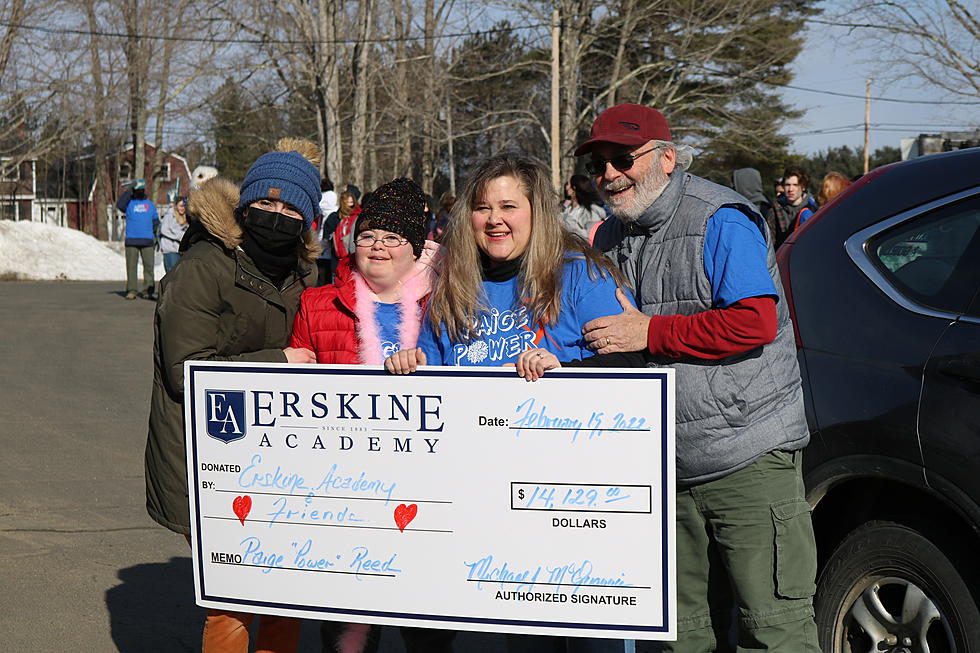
x=949, y=409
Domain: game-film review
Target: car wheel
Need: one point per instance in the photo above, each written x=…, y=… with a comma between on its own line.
x=887, y=588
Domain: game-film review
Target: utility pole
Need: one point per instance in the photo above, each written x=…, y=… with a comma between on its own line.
x=867, y=124
x=555, y=107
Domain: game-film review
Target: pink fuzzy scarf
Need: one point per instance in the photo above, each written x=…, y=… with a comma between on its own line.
x=413, y=289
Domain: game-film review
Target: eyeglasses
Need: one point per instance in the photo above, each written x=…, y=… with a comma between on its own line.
x=388, y=240
x=621, y=162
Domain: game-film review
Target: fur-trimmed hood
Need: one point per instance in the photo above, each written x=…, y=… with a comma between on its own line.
x=213, y=205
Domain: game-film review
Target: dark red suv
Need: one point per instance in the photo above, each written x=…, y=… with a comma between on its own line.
x=883, y=287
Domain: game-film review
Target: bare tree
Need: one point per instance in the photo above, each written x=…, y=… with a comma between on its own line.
x=306, y=49
x=362, y=79
x=12, y=16
x=99, y=123
x=934, y=41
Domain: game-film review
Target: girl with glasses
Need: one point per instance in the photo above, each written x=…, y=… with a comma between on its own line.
x=372, y=310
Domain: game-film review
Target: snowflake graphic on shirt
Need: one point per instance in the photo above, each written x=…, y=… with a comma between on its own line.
x=477, y=352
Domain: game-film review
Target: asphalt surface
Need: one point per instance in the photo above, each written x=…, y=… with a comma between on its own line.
x=82, y=567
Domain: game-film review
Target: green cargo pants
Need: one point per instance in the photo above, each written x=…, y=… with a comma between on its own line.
x=745, y=549
x=133, y=256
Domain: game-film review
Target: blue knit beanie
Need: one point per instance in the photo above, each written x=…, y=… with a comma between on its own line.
x=285, y=176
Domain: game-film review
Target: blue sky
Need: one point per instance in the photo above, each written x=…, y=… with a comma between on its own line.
x=835, y=61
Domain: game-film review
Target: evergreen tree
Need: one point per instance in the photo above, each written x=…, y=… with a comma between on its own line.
x=849, y=161
x=243, y=130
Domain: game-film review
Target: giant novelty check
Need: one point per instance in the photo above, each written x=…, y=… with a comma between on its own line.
x=455, y=498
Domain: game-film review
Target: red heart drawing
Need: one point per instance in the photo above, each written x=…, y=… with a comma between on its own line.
x=404, y=514
x=242, y=506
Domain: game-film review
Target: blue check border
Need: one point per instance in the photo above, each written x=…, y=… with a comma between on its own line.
x=312, y=611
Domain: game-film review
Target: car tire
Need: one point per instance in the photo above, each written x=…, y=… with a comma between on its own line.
x=887, y=587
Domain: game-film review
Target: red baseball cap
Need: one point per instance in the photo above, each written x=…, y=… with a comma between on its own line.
x=626, y=124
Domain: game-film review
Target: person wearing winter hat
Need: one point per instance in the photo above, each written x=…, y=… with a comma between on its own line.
x=247, y=256
x=372, y=310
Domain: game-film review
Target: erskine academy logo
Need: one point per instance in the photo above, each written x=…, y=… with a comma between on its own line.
x=227, y=418
x=226, y=414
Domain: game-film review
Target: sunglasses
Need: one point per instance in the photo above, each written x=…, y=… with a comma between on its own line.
x=621, y=162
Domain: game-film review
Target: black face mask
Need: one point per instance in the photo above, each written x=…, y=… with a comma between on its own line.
x=271, y=240
x=274, y=232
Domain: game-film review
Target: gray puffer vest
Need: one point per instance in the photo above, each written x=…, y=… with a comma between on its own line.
x=730, y=411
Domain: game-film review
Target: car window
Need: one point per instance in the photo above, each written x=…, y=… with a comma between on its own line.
x=934, y=259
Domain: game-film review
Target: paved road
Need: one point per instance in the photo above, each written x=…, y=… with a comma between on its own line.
x=82, y=567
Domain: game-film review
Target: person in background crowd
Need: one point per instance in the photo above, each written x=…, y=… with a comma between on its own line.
x=747, y=182
x=326, y=264
x=704, y=271
x=372, y=310
x=172, y=229
x=340, y=223
x=788, y=215
x=585, y=207
x=262, y=232
x=833, y=184
x=142, y=223
x=430, y=212
x=779, y=190
x=446, y=202
x=328, y=198
x=355, y=191
x=345, y=232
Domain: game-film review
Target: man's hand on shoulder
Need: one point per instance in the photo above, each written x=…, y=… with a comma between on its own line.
x=617, y=333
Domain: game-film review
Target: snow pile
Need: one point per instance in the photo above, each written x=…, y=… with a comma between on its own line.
x=33, y=250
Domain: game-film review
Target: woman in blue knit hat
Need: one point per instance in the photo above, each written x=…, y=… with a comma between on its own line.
x=246, y=258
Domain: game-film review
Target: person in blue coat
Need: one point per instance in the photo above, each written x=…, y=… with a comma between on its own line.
x=142, y=226
x=513, y=279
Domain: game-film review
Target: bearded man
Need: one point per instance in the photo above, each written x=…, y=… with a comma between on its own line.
x=700, y=260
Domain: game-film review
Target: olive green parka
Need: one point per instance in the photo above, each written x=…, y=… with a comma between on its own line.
x=215, y=305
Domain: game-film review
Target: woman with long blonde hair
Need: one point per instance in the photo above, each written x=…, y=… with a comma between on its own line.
x=512, y=278
x=513, y=281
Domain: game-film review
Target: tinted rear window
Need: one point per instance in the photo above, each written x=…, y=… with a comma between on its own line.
x=934, y=259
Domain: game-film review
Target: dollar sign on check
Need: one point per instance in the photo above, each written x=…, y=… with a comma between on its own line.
x=520, y=494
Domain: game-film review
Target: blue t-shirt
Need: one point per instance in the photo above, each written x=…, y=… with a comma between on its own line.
x=388, y=317
x=505, y=330
x=735, y=255
x=141, y=221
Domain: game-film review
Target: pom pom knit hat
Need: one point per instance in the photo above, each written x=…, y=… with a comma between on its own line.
x=285, y=176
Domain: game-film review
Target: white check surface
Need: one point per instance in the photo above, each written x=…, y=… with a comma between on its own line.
x=453, y=498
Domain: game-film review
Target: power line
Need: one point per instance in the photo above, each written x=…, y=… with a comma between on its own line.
x=758, y=80
x=493, y=30
x=880, y=127
x=260, y=41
